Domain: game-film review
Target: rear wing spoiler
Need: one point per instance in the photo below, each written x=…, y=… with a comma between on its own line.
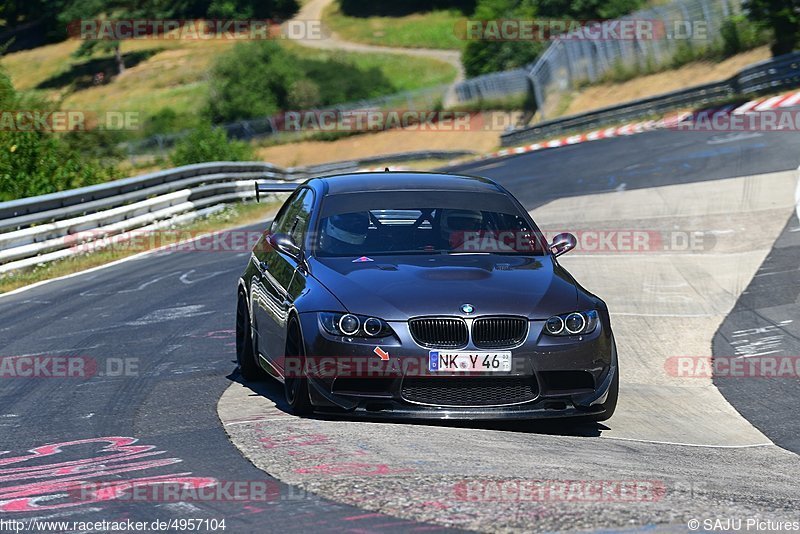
x=273, y=187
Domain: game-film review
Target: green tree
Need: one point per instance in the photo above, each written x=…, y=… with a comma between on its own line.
x=587, y=9
x=261, y=78
x=37, y=21
x=370, y=8
x=207, y=143
x=82, y=10
x=257, y=9
x=485, y=56
x=253, y=80
x=78, y=10
x=482, y=56
x=35, y=162
x=782, y=17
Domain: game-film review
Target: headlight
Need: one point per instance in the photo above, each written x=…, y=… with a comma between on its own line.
x=351, y=325
x=373, y=326
x=554, y=325
x=571, y=324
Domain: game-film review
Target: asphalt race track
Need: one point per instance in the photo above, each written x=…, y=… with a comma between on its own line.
x=643, y=160
x=177, y=341
x=158, y=330
x=764, y=321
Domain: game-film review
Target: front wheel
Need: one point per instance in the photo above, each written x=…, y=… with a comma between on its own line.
x=610, y=405
x=295, y=381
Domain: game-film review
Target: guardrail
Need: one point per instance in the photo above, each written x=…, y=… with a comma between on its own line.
x=48, y=227
x=572, y=59
x=628, y=111
x=427, y=98
x=45, y=228
x=493, y=87
x=782, y=72
x=36, y=210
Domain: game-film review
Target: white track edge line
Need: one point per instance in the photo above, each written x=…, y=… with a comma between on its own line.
x=750, y=446
x=117, y=262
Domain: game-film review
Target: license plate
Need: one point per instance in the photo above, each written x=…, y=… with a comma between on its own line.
x=469, y=361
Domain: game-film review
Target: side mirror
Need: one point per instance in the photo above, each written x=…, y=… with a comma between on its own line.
x=284, y=243
x=563, y=243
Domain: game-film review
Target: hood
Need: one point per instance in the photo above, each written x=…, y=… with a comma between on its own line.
x=398, y=287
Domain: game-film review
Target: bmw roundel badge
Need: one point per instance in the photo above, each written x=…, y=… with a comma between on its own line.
x=467, y=308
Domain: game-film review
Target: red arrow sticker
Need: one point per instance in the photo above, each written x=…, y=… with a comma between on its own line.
x=382, y=353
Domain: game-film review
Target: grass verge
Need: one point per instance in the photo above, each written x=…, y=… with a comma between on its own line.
x=433, y=29
x=174, y=74
x=231, y=217
x=406, y=72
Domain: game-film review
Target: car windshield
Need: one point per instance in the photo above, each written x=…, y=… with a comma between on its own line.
x=389, y=224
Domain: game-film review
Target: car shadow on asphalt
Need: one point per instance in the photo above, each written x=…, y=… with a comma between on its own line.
x=273, y=390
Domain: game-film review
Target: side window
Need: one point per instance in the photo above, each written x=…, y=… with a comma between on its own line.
x=285, y=221
x=298, y=233
x=280, y=217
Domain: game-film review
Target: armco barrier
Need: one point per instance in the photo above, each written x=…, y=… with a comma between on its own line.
x=38, y=229
x=628, y=111
x=782, y=72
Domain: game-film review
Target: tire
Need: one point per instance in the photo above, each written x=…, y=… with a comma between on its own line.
x=245, y=355
x=610, y=405
x=296, y=387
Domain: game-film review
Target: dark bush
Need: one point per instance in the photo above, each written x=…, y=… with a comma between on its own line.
x=260, y=78
x=398, y=8
x=261, y=9
x=483, y=57
x=38, y=162
x=781, y=17
x=740, y=34
x=167, y=121
x=253, y=80
x=587, y=9
x=207, y=143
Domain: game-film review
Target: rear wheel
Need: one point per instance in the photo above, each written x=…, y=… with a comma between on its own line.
x=295, y=381
x=245, y=355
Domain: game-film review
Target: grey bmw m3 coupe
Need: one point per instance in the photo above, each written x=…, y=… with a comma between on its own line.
x=421, y=295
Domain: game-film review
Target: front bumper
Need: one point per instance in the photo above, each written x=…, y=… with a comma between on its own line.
x=568, y=377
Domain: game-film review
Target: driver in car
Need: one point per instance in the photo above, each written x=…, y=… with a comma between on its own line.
x=345, y=234
x=466, y=231
x=458, y=227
